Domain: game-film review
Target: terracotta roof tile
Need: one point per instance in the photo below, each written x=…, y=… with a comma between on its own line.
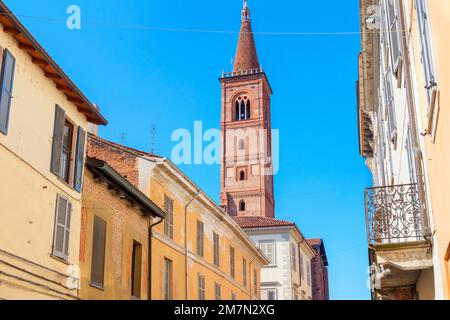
x=257, y=222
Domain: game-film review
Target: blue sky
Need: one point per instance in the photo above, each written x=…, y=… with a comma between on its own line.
x=142, y=77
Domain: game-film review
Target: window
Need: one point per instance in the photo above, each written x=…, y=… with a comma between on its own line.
x=242, y=175
x=410, y=153
x=301, y=266
x=201, y=287
x=241, y=145
x=232, y=263
x=269, y=294
x=168, y=222
x=242, y=111
x=294, y=256
x=427, y=48
x=233, y=296
x=244, y=272
x=392, y=28
x=136, y=270
x=242, y=205
x=268, y=249
x=62, y=228
x=168, y=279
x=217, y=290
x=255, y=281
x=216, y=249
x=200, y=238
x=390, y=106
x=7, y=79
x=62, y=150
x=98, y=253
x=308, y=272
x=66, y=151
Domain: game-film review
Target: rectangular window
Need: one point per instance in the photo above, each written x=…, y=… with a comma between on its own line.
x=269, y=294
x=427, y=47
x=168, y=221
x=200, y=238
x=294, y=256
x=232, y=263
x=98, y=253
x=393, y=29
x=233, y=296
x=66, y=157
x=62, y=228
x=216, y=249
x=390, y=105
x=136, y=270
x=65, y=151
x=301, y=266
x=217, y=290
x=7, y=79
x=255, y=281
x=201, y=287
x=268, y=249
x=168, y=279
x=308, y=272
x=244, y=272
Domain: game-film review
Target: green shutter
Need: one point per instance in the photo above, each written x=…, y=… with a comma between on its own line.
x=79, y=161
x=58, y=133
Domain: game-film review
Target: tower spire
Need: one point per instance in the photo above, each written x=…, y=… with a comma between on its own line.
x=246, y=56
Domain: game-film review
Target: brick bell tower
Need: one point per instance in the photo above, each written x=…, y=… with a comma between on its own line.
x=246, y=178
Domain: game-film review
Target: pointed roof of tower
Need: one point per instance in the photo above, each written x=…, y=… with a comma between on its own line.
x=246, y=56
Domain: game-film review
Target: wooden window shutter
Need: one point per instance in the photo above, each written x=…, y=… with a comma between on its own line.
x=98, y=252
x=7, y=79
x=58, y=132
x=79, y=161
x=62, y=228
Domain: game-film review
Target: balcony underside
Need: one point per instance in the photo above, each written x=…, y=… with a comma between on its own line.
x=404, y=262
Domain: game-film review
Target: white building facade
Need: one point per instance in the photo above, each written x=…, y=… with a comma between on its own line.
x=288, y=275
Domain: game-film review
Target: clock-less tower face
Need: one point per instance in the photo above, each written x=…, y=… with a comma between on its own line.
x=246, y=180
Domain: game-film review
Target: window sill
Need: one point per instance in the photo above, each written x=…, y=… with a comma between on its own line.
x=97, y=286
x=66, y=262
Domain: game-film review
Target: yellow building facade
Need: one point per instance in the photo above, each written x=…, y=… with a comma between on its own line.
x=197, y=252
x=114, y=241
x=43, y=123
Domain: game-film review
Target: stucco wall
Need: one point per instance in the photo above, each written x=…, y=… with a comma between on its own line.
x=29, y=190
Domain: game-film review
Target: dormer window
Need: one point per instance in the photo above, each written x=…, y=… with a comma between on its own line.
x=242, y=108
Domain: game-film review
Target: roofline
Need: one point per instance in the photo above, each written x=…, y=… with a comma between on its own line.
x=102, y=168
x=92, y=112
x=322, y=250
x=292, y=226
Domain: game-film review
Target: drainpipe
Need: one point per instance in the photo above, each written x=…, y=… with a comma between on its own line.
x=185, y=245
x=418, y=157
x=150, y=242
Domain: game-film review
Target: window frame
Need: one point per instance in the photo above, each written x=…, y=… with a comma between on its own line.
x=95, y=282
x=232, y=262
x=392, y=30
x=244, y=272
x=217, y=291
x=136, y=270
x=201, y=284
x=294, y=256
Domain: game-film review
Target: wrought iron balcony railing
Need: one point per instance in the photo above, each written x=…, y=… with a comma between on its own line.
x=393, y=214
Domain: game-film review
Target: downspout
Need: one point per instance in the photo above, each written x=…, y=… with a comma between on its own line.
x=185, y=245
x=418, y=157
x=150, y=242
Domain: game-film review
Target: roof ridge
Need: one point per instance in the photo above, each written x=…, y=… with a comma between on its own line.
x=121, y=146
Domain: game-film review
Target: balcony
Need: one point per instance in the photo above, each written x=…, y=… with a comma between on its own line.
x=398, y=249
x=393, y=214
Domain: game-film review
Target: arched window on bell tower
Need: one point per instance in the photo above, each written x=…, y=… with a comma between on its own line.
x=242, y=109
x=242, y=205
